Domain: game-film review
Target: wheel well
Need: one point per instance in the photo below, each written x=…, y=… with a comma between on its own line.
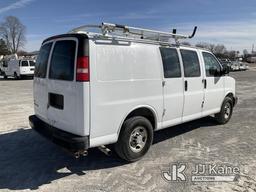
x=231, y=95
x=144, y=112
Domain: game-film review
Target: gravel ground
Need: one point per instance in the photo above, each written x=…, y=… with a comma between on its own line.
x=29, y=162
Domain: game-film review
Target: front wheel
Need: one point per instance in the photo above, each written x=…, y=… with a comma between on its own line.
x=16, y=76
x=226, y=111
x=135, y=139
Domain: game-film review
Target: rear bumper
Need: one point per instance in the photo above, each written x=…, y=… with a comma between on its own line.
x=64, y=139
x=27, y=74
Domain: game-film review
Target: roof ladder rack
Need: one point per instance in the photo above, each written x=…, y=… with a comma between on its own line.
x=147, y=34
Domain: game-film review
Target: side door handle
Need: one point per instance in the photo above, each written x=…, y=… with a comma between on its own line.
x=186, y=85
x=205, y=83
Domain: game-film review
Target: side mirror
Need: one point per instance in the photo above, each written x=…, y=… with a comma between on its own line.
x=225, y=69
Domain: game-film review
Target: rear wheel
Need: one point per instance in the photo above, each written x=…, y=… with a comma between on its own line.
x=15, y=76
x=226, y=111
x=5, y=76
x=135, y=139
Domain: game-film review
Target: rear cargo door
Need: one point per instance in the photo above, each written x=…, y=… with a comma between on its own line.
x=24, y=67
x=40, y=82
x=65, y=103
x=31, y=66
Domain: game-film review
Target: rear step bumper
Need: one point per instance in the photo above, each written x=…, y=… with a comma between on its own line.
x=64, y=139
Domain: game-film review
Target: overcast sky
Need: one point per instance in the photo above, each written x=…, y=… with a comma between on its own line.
x=229, y=22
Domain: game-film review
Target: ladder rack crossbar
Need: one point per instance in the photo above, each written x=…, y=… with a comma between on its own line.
x=130, y=29
x=107, y=29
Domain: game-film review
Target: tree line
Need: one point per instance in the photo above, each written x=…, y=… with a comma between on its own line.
x=12, y=35
x=219, y=50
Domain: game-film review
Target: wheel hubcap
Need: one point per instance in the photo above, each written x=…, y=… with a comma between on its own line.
x=138, y=139
x=227, y=110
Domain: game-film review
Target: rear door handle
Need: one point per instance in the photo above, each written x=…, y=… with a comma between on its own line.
x=186, y=85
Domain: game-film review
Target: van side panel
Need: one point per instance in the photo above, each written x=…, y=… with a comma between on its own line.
x=13, y=66
x=124, y=76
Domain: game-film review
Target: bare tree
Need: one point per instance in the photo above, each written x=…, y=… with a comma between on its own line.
x=206, y=46
x=245, y=52
x=3, y=48
x=13, y=33
x=220, y=50
x=185, y=43
x=201, y=45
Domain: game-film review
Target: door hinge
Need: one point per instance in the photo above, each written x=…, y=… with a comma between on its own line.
x=163, y=83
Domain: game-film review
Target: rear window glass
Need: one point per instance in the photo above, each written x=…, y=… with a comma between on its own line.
x=62, y=61
x=24, y=63
x=42, y=60
x=31, y=63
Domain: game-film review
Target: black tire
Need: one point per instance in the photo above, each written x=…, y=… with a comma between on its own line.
x=15, y=76
x=125, y=148
x=5, y=76
x=226, y=111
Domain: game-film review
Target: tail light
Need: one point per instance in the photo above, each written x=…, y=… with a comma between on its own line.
x=82, y=69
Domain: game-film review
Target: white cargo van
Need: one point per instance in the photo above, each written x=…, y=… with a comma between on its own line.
x=18, y=68
x=95, y=89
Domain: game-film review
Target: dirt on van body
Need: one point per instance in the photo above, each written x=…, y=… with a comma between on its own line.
x=29, y=162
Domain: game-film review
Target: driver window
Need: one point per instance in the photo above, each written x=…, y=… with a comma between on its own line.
x=211, y=63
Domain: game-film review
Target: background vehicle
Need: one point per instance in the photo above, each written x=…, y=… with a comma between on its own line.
x=235, y=66
x=239, y=66
x=17, y=68
x=243, y=66
x=92, y=90
x=226, y=64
